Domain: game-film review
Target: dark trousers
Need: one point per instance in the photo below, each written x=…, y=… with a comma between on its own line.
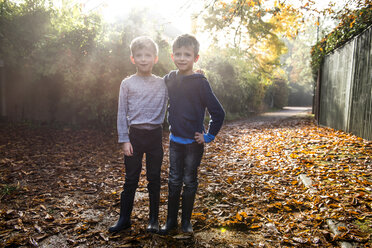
x=147, y=142
x=183, y=170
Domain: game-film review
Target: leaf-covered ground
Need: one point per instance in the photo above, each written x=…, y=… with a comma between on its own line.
x=61, y=187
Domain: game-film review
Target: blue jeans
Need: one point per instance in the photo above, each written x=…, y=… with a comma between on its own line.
x=183, y=171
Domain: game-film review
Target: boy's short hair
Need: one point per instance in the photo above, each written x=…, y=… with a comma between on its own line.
x=187, y=40
x=143, y=42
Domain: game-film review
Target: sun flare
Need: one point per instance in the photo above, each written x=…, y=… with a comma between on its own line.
x=176, y=13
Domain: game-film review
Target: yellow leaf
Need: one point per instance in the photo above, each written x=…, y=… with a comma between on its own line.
x=342, y=229
x=230, y=180
x=244, y=214
x=333, y=205
x=352, y=23
x=293, y=155
x=287, y=208
x=255, y=226
x=239, y=217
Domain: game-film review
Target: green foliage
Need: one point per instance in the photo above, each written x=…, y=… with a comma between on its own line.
x=165, y=63
x=66, y=65
x=22, y=29
x=233, y=80
x=277, y=94
x=299, y=95
x=256, y=27
x=296, y=64
x=350, y=26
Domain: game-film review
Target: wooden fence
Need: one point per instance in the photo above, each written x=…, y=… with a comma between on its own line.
x=345, y=87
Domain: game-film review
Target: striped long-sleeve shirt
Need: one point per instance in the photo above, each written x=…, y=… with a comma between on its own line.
x=142, y=103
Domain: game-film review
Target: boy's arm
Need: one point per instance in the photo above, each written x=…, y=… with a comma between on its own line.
x=215, y=110
x=122, y=121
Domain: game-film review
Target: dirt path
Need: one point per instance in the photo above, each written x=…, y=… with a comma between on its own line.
x=286, y=112
x=60, y=187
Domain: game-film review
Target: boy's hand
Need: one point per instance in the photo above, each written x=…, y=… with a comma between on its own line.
x=199, y=137
x=128, y=149
x=200, y=71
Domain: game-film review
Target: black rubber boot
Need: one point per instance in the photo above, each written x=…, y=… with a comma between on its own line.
x=187, y=207
x=153, y=225
x=126, y=206
x=173, y=206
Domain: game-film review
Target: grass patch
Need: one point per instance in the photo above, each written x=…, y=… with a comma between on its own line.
x=7, y=189
x=364, y=225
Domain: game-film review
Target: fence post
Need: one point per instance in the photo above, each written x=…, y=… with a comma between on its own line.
x=316, y=99
x=350, y=88
x=2, y=89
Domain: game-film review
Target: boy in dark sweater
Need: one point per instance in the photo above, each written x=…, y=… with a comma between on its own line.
x=141, y=111
x=189, y=96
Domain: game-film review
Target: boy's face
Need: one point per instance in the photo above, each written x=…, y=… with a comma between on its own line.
x=144, y=59
x=184, y=58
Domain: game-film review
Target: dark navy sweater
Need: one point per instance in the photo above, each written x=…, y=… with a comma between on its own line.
x=189, y=97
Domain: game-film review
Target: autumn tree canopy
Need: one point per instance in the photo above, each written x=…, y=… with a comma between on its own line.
x=259, y=26
x=255, y=27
